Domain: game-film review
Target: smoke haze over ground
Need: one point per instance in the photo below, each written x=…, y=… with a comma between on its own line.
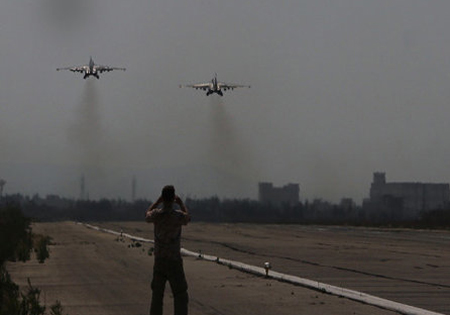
x=340, y=89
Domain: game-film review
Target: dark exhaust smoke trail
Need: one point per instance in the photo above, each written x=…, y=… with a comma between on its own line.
x=228, y=154
x=86, y=133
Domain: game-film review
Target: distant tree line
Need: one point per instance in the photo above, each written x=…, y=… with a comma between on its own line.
x=214, y=209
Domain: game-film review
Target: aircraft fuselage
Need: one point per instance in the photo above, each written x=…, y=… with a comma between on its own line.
x=91, y=70
x=214, y=88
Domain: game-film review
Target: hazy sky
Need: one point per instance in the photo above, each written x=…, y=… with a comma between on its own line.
x=340, y=89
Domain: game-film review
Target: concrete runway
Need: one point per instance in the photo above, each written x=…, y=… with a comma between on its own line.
x=93, y=273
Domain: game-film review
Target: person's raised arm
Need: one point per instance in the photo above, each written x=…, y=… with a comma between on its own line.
x=183, y=208
x=148, y=213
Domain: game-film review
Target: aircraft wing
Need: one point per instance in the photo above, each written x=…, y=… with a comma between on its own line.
x=107, y=68
x=230, y=86
x=74, y=69
x=202, y=86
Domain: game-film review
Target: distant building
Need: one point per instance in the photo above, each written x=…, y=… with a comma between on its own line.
x=288, y=194
x=404, y=201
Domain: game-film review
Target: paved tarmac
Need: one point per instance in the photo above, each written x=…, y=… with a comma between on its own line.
x=96, y=273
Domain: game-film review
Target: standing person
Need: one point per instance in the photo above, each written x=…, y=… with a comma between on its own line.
x=168, y=264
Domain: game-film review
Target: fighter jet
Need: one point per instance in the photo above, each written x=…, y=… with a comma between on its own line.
x=214, y=86
x=91, y=69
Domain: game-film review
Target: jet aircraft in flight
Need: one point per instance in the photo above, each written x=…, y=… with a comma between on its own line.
x=214, y=86
x=91, y=69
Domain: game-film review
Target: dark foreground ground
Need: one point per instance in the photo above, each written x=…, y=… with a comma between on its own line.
x=94, y=273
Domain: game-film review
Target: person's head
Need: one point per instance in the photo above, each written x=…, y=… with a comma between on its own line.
x=168, y=194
